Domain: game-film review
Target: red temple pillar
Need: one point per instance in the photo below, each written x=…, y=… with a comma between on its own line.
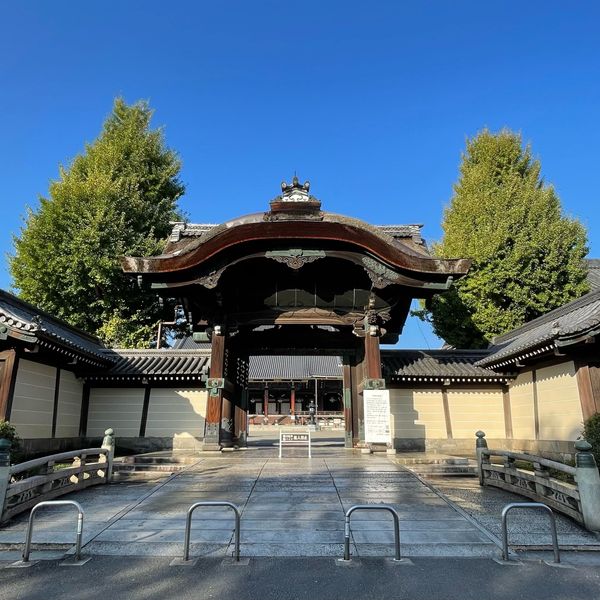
x=293, y=400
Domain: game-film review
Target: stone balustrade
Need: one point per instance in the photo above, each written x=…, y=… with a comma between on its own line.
x=25, y=484
x=580, y=499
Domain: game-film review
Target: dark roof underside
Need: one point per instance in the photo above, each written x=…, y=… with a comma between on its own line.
x=32, y=324
x=436, y=366
x=569, y=324
x=398, y=365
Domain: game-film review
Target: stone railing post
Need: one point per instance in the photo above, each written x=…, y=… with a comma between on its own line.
x=4, y=471
x=480, y=445
x=588, y=483
x=109, y=444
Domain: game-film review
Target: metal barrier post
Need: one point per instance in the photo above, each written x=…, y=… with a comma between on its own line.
x=188, y=526
x=509, y=507
x=29, y=535
x=372, y=507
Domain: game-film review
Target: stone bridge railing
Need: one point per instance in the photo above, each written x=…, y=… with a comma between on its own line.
x=25, y=484
x=580, y=499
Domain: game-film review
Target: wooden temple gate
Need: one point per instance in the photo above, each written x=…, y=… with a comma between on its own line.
x=294, y=279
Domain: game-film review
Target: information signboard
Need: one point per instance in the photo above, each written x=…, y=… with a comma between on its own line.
x=377, y=416
x=295, y=438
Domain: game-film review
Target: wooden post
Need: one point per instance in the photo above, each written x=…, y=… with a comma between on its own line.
x=266, y=402
x=508, y=428
x=588, y=395
x=293, y=400
x=359, y=404
x=241, y=420
x=227, y=416
x=212, y=435
x=8, y=375
x=372, y=357
x=347, y=396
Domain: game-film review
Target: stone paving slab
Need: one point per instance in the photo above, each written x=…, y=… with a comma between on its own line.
x=290, y=507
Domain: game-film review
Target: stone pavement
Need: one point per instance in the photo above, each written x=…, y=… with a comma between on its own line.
x=290, y=507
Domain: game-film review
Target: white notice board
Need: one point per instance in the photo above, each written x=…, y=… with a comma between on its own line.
x=377, y=416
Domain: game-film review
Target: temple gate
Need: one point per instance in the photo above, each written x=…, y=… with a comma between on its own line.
x=293, y=279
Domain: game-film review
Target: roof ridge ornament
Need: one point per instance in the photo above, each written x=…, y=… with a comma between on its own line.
x=295, y=191
x=294, y=203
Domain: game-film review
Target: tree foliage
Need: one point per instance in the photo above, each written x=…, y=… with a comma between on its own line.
x=527, y=256
x=116, y=198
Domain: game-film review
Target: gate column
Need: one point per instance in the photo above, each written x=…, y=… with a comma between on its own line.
x=347, y=396
x=212, y=428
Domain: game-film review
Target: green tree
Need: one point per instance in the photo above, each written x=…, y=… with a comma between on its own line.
x=527, y=256
x=116, y=198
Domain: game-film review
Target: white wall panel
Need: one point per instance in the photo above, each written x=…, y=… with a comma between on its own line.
x=33, y=400
x=118, y=408
x=70, y=391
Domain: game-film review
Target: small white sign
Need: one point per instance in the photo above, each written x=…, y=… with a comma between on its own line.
x=297, y=437
x=377, y=416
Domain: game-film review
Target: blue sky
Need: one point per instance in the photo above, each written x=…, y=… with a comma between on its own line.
x=370, y=101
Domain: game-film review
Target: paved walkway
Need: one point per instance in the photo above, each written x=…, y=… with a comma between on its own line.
x=291, y=507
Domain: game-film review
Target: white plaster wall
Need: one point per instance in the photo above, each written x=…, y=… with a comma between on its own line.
x=473, y=409
x=417, y=414
x=33, y=400
x=68, y=413
x=521, y=407
x=174, y=412
x=119, y=408
x=559, y=407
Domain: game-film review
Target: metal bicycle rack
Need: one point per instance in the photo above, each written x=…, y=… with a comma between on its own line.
x=188, y=526
x=29, y=534
x=544, y=507
x=372, y=507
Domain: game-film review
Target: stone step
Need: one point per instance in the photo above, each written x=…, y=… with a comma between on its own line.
x=432, y=459
x=139, y=475
x=158, y=459
x=164, y=467
x=444, y=470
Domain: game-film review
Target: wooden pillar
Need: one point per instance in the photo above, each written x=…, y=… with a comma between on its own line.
x=241, y=420
x=372, y=357
x=8, y=374
x=358, y=403
x=347, y=397
x=293, y=400
x=85, y=407
x=227, y=417
x=536, y=411
x=266, y=402
x=589, y=389
x=447, y=417
x=212, y=430
x=508, y=428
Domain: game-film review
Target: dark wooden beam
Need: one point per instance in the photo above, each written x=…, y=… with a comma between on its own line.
x=590, y=401
x=508, y=427
x=8, y=375
x=536, y=412
x=85, y=408
x=447, y=417
x=145, y=408
x=55, y=406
